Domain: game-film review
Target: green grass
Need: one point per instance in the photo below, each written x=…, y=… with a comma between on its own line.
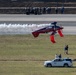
x=25, y=55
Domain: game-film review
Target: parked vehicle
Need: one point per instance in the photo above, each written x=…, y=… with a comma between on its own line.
x=65, y=62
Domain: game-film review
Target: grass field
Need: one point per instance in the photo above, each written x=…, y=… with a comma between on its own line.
x=25, y=55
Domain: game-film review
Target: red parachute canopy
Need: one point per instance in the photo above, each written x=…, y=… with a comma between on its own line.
x=52, y=39
x=60, y=33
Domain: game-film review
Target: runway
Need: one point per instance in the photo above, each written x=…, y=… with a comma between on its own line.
x=25, y=24
x=24, y=17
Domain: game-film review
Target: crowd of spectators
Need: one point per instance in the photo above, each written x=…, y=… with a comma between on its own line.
x=38, y=10
x=43, y=10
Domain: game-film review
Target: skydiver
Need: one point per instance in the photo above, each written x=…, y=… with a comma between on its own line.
x=66, y=49
x=56, y=56
x=60, y=56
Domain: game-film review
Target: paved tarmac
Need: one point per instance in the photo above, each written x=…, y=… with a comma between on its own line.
x=23, y=17
x=8, y=21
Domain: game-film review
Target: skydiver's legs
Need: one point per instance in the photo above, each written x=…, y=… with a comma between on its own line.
x=66, y=52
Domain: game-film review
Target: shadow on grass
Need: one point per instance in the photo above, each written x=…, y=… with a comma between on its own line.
x=62, y=67
x=70, y=54
x=20, y=60
x=73, y=67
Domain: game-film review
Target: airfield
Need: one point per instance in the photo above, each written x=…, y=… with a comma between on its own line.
x=22, y=54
